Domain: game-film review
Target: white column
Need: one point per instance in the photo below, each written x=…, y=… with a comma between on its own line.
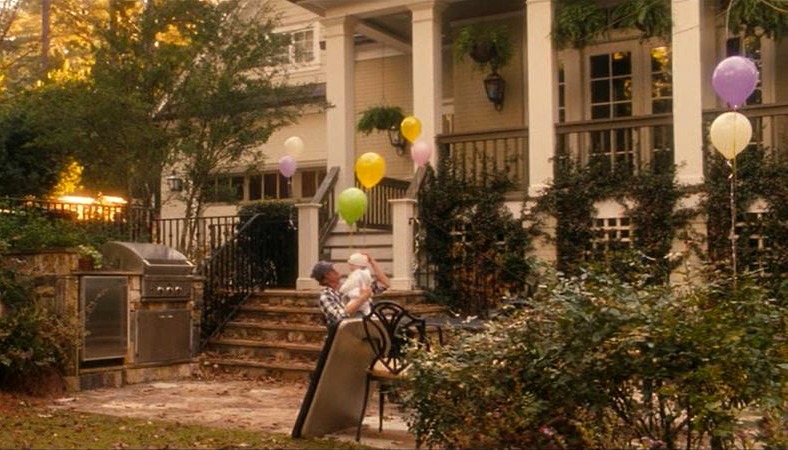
x=402, y=211
x=340, y=120
x=308, y=237
x=687, y=91
x=542, y=93
x=426, y=59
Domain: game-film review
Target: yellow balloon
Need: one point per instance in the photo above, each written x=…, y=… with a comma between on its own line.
x=370, y=168
x=730, y=133
x=410, y=128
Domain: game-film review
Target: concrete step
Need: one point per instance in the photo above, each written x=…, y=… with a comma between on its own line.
x=275, y=332
x=247, y=368
x=282, y=352
x=288, y=314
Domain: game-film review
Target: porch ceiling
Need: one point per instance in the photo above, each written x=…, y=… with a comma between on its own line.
x=390, y=19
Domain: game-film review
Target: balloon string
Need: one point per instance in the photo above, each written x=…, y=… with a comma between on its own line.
x=733, y=236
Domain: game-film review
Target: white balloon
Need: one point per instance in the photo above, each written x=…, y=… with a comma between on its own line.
x=730, y=133
x=294, y=145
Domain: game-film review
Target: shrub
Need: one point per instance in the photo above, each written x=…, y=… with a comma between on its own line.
x=597, y=362
x=35, y=342
x=30, y=231
x=273, y=210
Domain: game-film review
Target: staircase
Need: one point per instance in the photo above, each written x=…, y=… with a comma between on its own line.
x=279, y=334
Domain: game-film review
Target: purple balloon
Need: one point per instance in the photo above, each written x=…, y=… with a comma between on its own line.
x=734, y=80
x=287, y=166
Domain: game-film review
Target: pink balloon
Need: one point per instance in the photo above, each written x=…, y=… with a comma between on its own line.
x=421, y=152
x=734, y=80
x=287, y=166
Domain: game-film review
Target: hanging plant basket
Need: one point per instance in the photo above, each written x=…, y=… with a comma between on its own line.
x=490, y=47
x=380, y=118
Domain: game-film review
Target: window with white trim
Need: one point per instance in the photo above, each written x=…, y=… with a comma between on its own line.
x=303, y=48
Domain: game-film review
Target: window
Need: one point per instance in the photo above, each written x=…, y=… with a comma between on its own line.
x=275, y=186
x=303, y=47
x=661, y=102
x=611, y=234
x=225, y=188
x=611, y=97
x=310, y=181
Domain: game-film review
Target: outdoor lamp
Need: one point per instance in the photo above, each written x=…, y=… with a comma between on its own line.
x=397, y=140
x=174, y=182
x=494, y=86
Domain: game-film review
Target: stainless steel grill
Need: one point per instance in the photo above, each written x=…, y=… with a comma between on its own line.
x=166, y=273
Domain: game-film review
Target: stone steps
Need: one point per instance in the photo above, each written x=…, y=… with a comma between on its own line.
x=280, y=334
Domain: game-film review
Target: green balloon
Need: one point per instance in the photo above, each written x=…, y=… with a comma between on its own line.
x=351, y=204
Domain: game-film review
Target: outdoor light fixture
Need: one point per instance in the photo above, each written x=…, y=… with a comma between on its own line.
x=397, y=140
x=494, y=86
x=174, y=182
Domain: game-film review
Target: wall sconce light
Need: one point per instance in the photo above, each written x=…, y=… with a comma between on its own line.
x=397, y=140
x=495, y=86
x=174, y=182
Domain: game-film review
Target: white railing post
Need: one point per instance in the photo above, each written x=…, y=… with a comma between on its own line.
x=402, y=211
x=308, y=243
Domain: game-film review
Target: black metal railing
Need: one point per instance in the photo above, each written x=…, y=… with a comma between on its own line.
x=378, y=214
x=327, y=215
x=262, y=254
x=196, y=238
x=117, y=221
x=478, y=157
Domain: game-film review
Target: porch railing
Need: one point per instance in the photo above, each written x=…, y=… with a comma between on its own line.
x=477, y=157
x=327, y=215
x=262, y=254
x=769, y=125
x=196, y=238
x=119, y=221
x=378, y=215
x=623, y=144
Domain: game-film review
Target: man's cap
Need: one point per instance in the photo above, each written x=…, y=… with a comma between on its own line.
x=320, y=269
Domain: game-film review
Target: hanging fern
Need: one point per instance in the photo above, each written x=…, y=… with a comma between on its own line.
x=379, y=118
x=758, y=17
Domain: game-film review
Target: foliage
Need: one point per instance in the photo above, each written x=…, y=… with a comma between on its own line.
x=473, y=241
x=759, y=175
x=488, y=45
x=580, y=22
x=757, y=17
x=599, y=362
x=34, y=340
x=25, y=167
x=272, y=210
x=656, y=218
x=379, y=118
x=31, y=231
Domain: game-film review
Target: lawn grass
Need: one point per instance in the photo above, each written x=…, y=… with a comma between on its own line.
x=31, y=426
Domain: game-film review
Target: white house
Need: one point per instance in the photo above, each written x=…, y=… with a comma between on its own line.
x=622, y=98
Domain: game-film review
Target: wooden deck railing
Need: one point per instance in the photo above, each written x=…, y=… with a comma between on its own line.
x=476, y=157
x=327, y=216
x=378, y=215
x=196, y=238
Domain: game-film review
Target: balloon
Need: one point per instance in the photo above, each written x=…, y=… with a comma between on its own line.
x=421, y=152
x=287, y=166
x=351, y=204
x=294, y=145
x=370, y=168
x=410, y=128
x=730, y=133
x=734, y=80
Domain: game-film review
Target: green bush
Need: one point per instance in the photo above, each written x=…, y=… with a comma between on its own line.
x=29, y=231
x=273, y=210
x=35, y=342
x=601, y=363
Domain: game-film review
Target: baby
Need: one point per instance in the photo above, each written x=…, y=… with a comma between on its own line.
x=359, y=277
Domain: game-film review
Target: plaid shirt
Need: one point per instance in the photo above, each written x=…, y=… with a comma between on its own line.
x=332, y=303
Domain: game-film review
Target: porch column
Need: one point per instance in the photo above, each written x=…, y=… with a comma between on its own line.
x=340, y=120
x=402, y=210
x=426, y=59
x=687, y=91
x=308, y=236
x=542, y=93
